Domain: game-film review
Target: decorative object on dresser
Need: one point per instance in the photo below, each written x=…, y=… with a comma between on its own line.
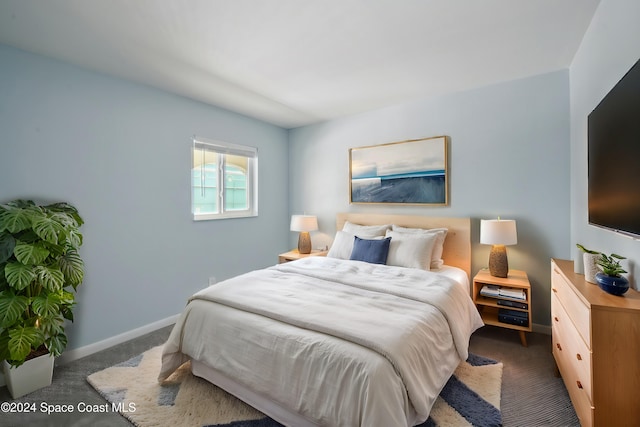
x=611, y=279
x=304, y=224
x=295, y=254
x=504, y=302
x=596, y=346
x=590, y=263
x=498, y=233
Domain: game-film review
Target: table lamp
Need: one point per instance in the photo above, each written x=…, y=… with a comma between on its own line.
x=499, y=233
x=304, y=224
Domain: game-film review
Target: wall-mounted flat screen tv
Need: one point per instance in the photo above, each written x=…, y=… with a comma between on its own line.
x=614, y=157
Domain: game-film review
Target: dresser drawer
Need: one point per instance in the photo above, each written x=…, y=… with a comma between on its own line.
x=579, y=398
x=577, y=311
x=568, y=345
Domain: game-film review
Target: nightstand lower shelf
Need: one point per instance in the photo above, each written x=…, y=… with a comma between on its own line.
x=490, y=317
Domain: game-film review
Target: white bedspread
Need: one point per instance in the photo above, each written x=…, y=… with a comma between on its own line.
x=339, y=342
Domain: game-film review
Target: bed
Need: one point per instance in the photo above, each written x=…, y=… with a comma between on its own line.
x=339, y=341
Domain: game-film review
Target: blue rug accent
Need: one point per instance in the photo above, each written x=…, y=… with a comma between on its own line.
x=472, y=407
x=475, y=360
x=168, y=394
x=116, y=395
x=131, y=363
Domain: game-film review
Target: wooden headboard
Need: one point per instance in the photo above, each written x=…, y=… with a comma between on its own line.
x=457, y=245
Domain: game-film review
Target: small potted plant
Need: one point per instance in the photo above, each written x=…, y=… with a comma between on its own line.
x=40, y=269
x=590, y=262
x=610, y=279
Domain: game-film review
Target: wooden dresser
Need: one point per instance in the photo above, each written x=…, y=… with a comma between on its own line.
x=596, y=345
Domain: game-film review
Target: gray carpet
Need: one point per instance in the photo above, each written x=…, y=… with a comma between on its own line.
x=531, y=395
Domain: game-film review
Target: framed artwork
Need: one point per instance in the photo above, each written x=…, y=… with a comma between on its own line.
x=406, y=172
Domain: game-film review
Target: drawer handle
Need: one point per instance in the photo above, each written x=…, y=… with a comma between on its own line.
x=556, y=319
x=579, y=384
x=559, y=346
x=578, y=356
x=554, y=289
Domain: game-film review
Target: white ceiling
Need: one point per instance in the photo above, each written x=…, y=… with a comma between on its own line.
x=296, y=62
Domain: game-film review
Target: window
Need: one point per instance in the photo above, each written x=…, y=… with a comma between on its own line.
x=223, y=180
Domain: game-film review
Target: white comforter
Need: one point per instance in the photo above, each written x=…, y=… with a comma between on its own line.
x=339, y=342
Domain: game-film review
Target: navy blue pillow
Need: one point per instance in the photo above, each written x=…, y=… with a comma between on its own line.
x=373, y=251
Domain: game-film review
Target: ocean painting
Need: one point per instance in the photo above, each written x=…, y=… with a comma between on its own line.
x=413, y=172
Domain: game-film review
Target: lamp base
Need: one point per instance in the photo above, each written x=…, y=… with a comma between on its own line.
x=304, y=242
x=498, y=264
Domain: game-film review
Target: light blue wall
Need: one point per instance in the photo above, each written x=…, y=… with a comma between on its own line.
x=120, y=152
x=509, y=156
x=609, y=49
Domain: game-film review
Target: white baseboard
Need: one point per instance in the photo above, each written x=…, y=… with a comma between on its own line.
x=78, y=353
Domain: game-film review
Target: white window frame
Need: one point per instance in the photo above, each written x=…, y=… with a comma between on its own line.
x=251, y=153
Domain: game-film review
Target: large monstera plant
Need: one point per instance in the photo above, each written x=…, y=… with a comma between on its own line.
x=40, y=269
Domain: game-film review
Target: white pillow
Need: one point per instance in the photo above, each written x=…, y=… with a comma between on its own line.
x=342, y=245
x=365, y=231
x=411, y=250
x=440, y=233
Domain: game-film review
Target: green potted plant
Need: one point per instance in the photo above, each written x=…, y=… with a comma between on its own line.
x=590, y=263
x=611, y=279
x=40, y=269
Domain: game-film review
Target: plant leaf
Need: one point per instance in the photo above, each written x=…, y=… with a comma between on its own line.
x=18, y=275
x=67, y=300
x=46, y=305
x=56, y=344
x=50, y=278
x=583, y=249
x=4, y=345
x=12, y=307
x=3, y=280
x=47, y=229
x=74, y=239
x=7, y=243
x=72, y=267
x=67, y=209
x=23, y=339
x=15, y=219
x=30, y=253
x=22, y=204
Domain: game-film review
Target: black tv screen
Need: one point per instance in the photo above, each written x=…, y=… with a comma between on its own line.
x=614, y=157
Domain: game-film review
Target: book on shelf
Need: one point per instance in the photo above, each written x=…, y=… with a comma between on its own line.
x=492, y=291
x=513, y=317
x=514, y=293
x=516, y=304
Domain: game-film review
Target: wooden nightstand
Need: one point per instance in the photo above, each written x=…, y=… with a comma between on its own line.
x=294, y=255
x=490, y=307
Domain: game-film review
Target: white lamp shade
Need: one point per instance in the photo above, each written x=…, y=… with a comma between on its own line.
x=304, y=223
x=498, y=232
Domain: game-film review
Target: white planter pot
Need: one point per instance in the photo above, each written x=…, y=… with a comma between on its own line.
x=590, y=267
x=32, y=375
